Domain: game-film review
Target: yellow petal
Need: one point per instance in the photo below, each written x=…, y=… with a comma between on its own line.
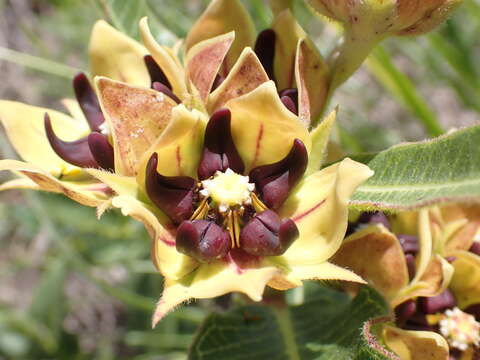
x=463, y=221
x=434, y=280
x=122, y=185
x=376, y=255
x=25, y=129
x=312, y=76
x=223, y=16
x=117, y=56
x=319, y=137
x=19, y=183
x=166, y=59
x=204, y=60
x=211, y=280
x=425, y=243
x=466, y=278
x=416, y=345
x=136, y=117
x=319, y=207
x=86, y=193
x=246, y=75
x=325, y=271
x=263, y=129
x=167, y=259
x=179, y=147
x=288, y=33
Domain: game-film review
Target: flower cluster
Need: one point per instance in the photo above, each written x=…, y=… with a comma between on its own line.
x=216, y=154
x=426, y=265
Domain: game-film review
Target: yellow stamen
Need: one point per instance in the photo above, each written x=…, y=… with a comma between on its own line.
x=201, y=210
x=257, y=203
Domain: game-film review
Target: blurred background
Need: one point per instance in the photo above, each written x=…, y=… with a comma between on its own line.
x=73, y=287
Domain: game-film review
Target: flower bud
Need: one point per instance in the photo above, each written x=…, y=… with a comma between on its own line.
x=392, y=17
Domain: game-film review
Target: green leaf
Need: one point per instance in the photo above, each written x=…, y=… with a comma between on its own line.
x=412, y=175
x=381, y=65
x=328, y=322
x=125, y=16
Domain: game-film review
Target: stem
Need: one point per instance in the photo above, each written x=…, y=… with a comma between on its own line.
x=37, y=63
x=286, y=329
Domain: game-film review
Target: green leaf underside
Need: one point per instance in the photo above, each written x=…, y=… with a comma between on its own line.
x=125, y=16
x=409, y=176
x=327, y=326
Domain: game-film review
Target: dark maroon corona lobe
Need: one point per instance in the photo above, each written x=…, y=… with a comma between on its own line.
x=219, y=151
x=274, y=181
x=101, y=150
x=436, y=304
x=173, y=195
x=203, y=240
x=165, y=90
x=265, y=50
x=267, y=235
x=404, y=311
x=289, y=104
x=409, y=243
x=156, y=73
x=475, y=248
x=376, y=217
x=74, y=152
x=411, y=265
x=88, y=101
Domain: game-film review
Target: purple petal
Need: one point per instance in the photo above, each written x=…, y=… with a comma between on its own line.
x=265, y=50
x=411, y=265
x=404, y=311
x=74, y=152
x=202, y=240
x=219, y=151
x=475, y=248
x=274, y=181
x=267, y=235
x=101, y=150
x=376, y=217
x=156, y=73
x=219, y=79
x=439, y=303
x=474, y=310
x=165, y=90
x=88, y=101
x=409, y=243
x=172, y=195
x=289, y=104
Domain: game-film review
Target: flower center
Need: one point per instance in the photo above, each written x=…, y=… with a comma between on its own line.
x=460, y=329
x=228, y=189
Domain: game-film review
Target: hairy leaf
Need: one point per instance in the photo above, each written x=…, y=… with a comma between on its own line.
x=412, y=175
x=327, y=326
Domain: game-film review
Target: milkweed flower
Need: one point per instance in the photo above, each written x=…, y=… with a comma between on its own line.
x=235, y=202
x=367, y=22
x=441, y=303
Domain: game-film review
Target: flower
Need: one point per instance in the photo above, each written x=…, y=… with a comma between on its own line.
x=367, y=22
x=55, y=163
x=448, y=234
x=213, y=188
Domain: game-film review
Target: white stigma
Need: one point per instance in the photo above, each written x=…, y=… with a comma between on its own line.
x=460, y=329
x=228, y=189
x=104, y=128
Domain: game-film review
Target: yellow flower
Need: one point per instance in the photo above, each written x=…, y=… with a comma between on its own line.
x=439, y=236
x=210, y=187
x=111, y=54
